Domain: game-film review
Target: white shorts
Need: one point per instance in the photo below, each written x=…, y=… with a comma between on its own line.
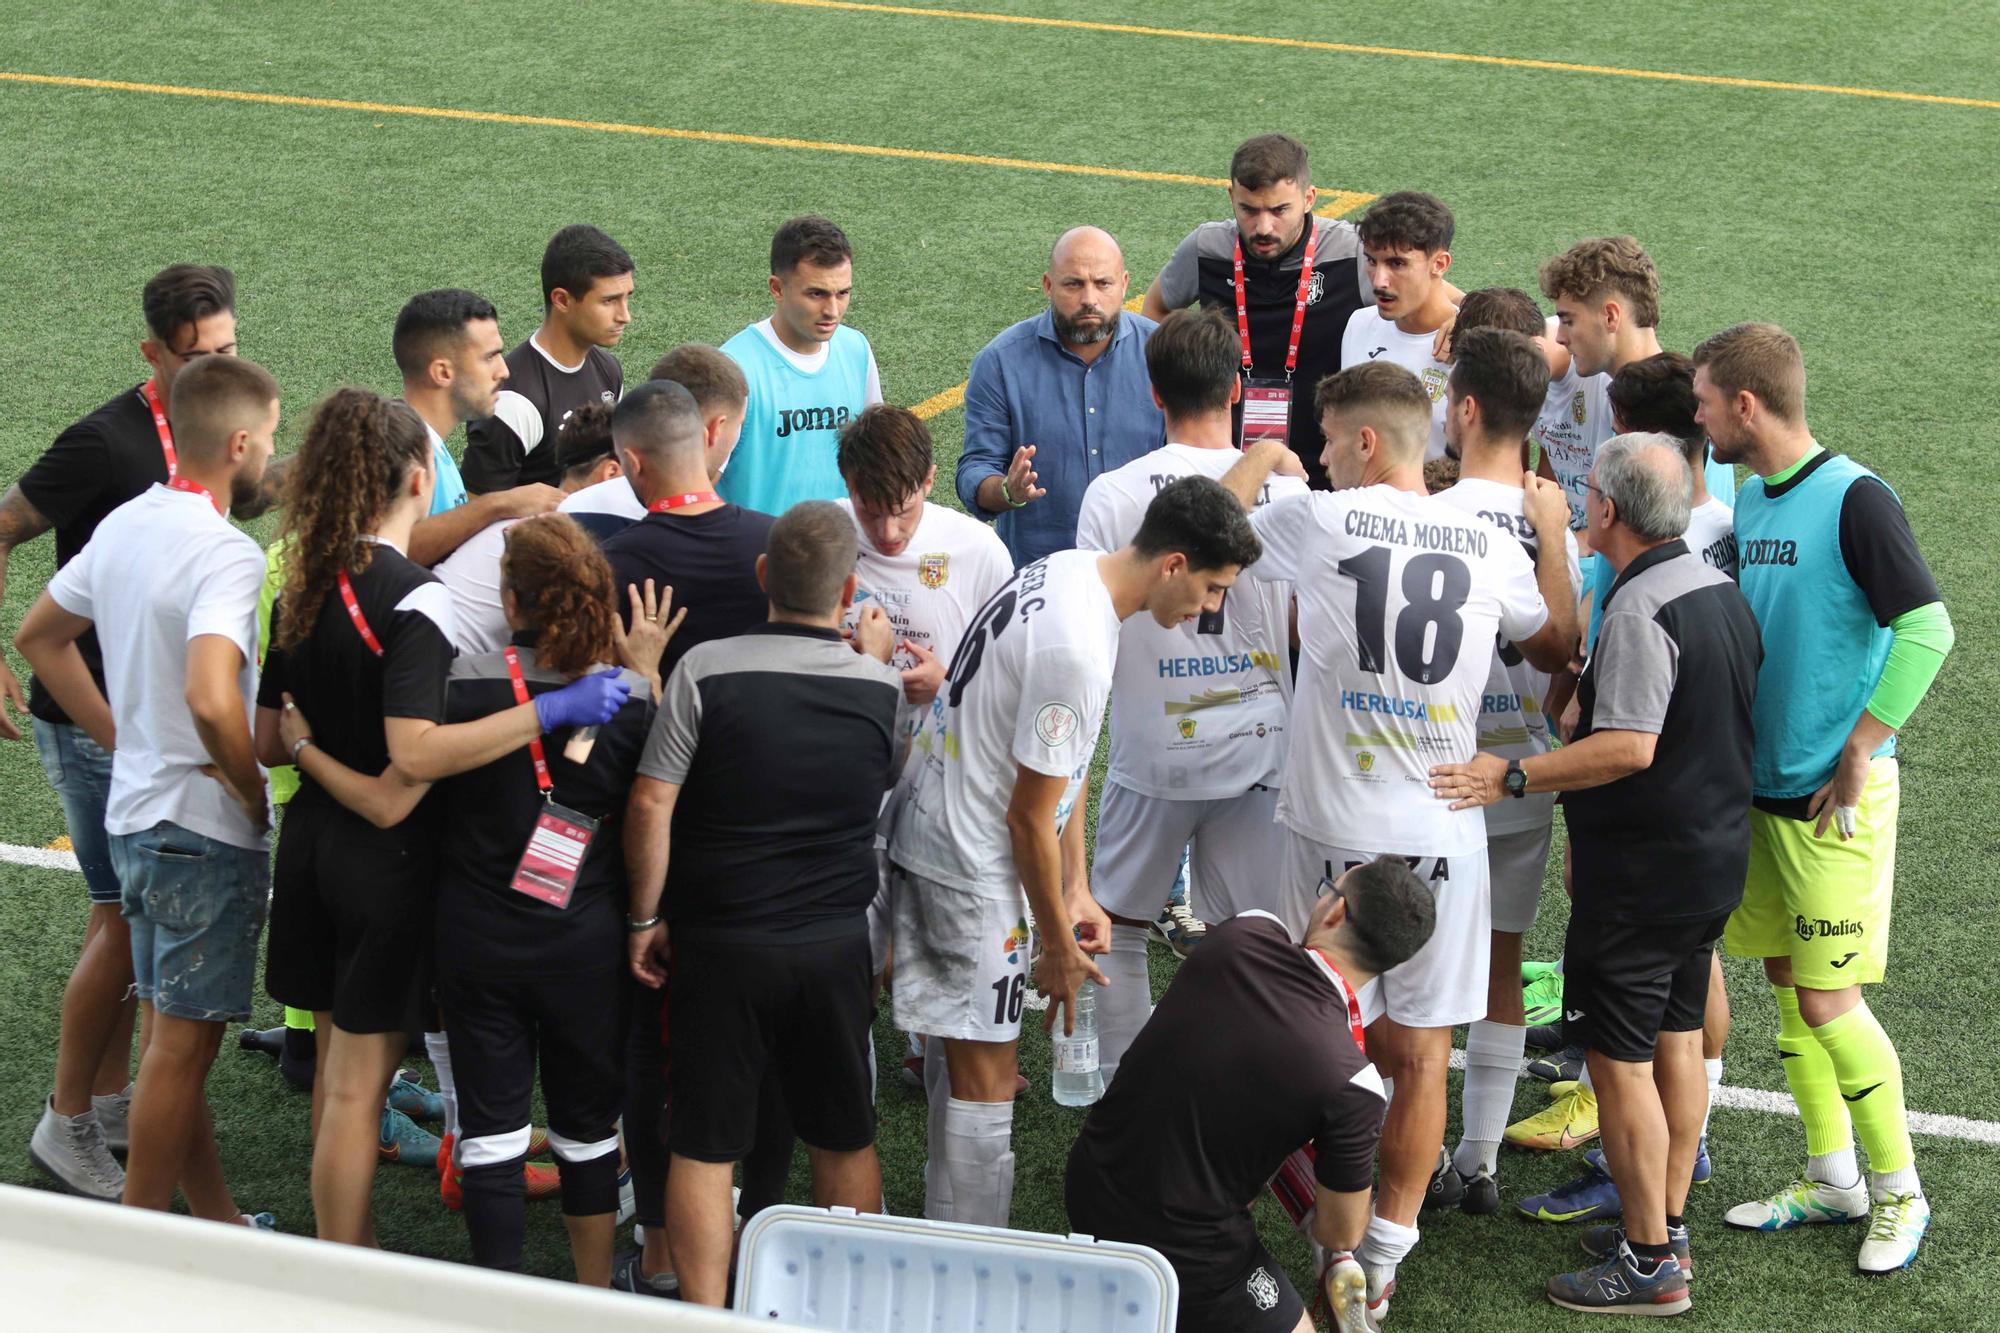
x=961, y=959
x=1236, y=853
x=1444, y=983
x=1515, y=863
x=879, y=913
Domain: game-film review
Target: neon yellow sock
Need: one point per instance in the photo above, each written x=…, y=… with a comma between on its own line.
x=299, y=1020
x=1809, y=1071
x=1870, y=1077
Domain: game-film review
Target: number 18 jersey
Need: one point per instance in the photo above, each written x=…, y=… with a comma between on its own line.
x=1400, y=596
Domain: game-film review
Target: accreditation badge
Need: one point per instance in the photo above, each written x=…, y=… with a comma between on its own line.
x=555, y=851
x=1267, y=412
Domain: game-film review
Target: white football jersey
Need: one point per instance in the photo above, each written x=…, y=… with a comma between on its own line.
x=1369, y=337
x=1400, y=598
x=1511, y=723
x=930, y=589
x=1027, y=689
x=1711, y=535
x=1576, y=418
x=1198, y=712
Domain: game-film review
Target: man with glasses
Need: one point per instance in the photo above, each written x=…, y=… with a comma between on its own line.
x=1173, y=1162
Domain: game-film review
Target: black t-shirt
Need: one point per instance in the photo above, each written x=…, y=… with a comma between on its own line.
x=517, y=444
x=486, y=817
x=1339, y=287
x=1174, y=1161
x=94, y=466
x=710, y=561
x=783, y=740
x=339, y=683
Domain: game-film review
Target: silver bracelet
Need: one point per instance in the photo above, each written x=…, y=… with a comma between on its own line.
x=298, y=748
x=636, y=927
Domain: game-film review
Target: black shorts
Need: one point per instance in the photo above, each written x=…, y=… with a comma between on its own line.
x=351, y=918
x=801, y=1011
x=570, y=1024
x=1256, y=1298
x=1625, y=982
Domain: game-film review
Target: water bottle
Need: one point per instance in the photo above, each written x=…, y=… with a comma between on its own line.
x=1078, y=1080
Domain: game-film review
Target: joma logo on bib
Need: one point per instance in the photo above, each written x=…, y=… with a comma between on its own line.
x=798, y=420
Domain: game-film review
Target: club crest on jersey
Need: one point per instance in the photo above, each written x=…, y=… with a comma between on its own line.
x=934, y=569
x=1366, y=758
x=1316, y=288
x=606, y=397
x=1187, y=728
x=1434, y=379
x=1576, y=407
x=1055, y=723
x=1263, y=1289
x=1015, y=941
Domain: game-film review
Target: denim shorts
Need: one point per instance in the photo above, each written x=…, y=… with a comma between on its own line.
x=195, y=907
x=80, y=771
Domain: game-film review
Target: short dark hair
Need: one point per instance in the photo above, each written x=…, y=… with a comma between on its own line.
x=715, y=380
x=578, y=256
x=584, y=438
x=808, y=556
x=809, y=239
x=1407, y=220
x=1202, y=521
x=1505, y=373
x=181, y=296
x=1656, y=396
x=1500, y=308
x=1390, y=912
x=885, y=454
x=214, y=397
x=1262, y=162
x=433, y=322
x=1398, y=400
x=1762, y=359
x=658, y=420
x=1193, y=358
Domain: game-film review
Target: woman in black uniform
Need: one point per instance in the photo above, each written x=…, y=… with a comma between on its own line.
x=361, y=641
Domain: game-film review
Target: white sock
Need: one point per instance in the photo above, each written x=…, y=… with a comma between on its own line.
x=916, y=1044
x=1584, y=1078
x=1385, y=1245
x=1559, y=967
x=439, y=1051
x=1835, y=1168
x=1714, y=1069
x=937, y=1181
x=1887, y=1184
x=1123, y=1006
x=1492, y=1063
x=979, y=1154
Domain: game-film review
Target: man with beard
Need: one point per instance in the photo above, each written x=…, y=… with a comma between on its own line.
x=1058, y=400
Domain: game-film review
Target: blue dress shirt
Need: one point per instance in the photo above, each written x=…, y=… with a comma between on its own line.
x=1084, y=419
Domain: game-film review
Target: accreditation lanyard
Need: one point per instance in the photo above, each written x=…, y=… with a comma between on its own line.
x=554, y=854
x=1267, y=402
x=682, y=501
x=151, y=394
x=354, y=613
x=1353, y=1004
x=196, y=488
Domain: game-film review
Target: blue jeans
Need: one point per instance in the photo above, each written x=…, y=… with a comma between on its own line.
x=195, y=907
x=80, y=771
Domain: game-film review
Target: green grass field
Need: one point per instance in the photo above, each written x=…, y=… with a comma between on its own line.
x=1863, y=223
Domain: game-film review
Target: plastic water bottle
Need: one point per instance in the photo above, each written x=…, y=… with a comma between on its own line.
x=1078, y=1080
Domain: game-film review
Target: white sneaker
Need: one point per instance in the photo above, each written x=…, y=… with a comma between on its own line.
x=71, y=1149
x=114, y=1117
x=1900, y=1221
x=1802, y=1203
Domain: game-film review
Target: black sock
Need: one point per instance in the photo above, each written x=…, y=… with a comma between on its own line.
x=1675, y=1220
x=1649, y=1256
x=496, y=1213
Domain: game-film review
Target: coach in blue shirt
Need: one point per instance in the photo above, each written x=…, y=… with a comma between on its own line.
x=1058, y=400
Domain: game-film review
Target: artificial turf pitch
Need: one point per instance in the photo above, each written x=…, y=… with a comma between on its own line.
x=1862, y=223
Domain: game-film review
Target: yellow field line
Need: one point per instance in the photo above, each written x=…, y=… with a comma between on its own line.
x=1351, y=48
x=940, y=403
x=609, y=127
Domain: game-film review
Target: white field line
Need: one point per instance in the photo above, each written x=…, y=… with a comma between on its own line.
x=41, y=858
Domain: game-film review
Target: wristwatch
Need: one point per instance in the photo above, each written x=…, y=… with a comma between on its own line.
x=1516, y=780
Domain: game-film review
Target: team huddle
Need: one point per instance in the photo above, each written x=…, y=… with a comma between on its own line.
x=645, y=752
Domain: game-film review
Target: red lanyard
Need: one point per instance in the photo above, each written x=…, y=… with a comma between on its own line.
x=1353, y=1005
x=152, y=397
x=195, y=488
x=679, y=501
x=1298, y=309
x=535, y=751
x=354, y=614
